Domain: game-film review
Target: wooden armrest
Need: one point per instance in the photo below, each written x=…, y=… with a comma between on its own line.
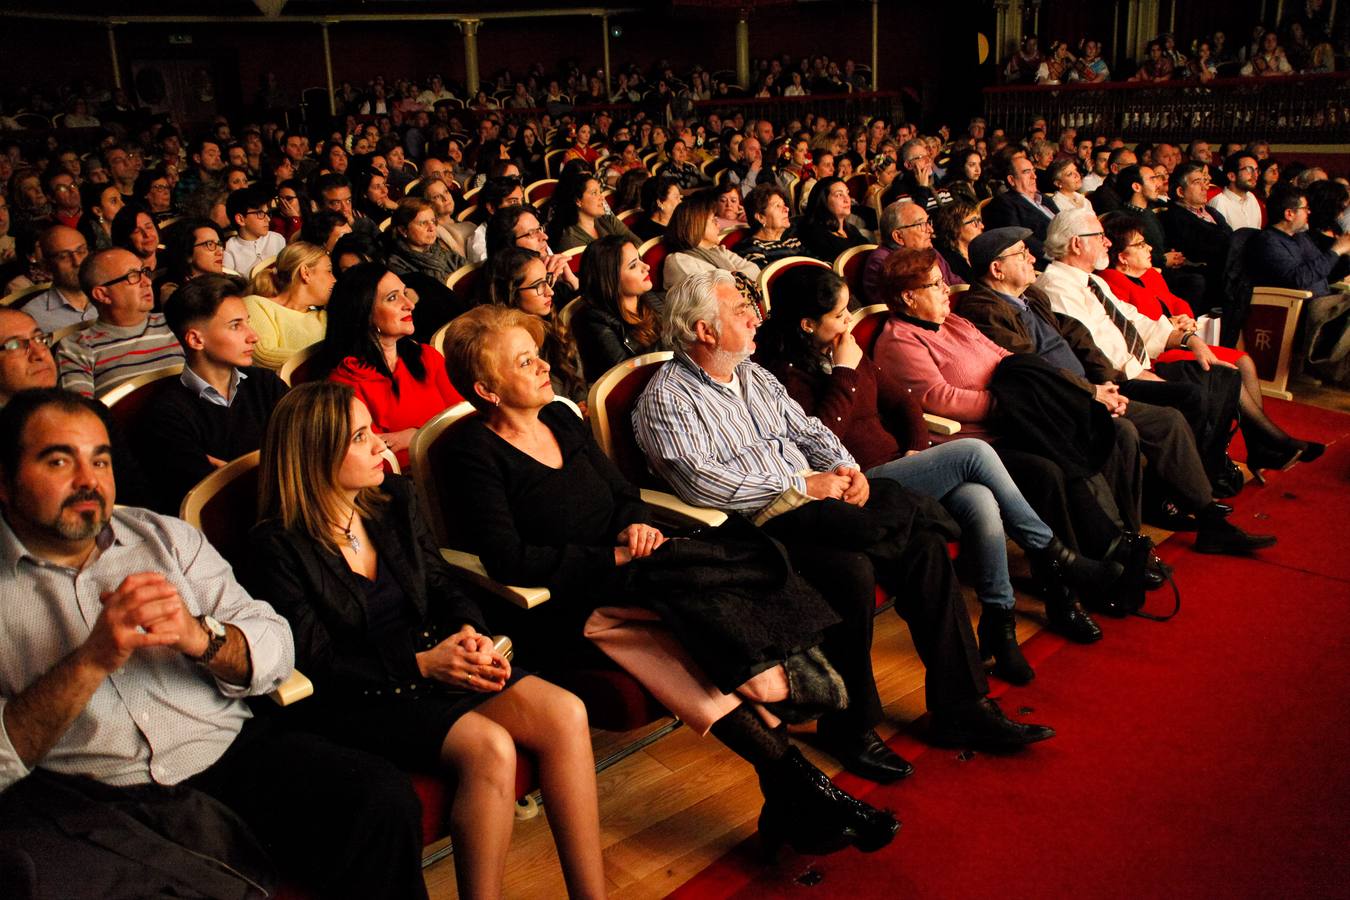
x=940, y=425
x=294, y=689
x=472, y=566
x=1341, y=287
x=699, y=515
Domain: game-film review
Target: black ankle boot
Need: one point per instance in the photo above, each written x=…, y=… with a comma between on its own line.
x=1057, y=561
x=997, y=634
x=1065, y=615
x=803, y=808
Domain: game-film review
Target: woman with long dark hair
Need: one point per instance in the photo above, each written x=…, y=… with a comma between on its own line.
x=620, y=317
x=370, y=346
x=579, y=215
x=825, y=231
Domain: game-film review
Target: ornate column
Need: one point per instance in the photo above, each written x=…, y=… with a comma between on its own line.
x=469, y=27
x=743, y=49
x=328, y=70
x=112, y=53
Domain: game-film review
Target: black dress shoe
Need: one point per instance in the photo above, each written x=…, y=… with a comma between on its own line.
x=1311, y=450
x=867, y=756
x=1220, y=536
x=983, y=726
x=1169, y=516
x=1066, y=616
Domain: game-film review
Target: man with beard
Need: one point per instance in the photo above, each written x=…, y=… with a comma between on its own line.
x=128, y=756
x=1237, y=202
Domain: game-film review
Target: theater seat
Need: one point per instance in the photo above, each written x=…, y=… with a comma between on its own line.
x=463, y=283
x=539, y=192
x=21, y=296
x=773, y=270
x=734, y=235
x=298, y=367
x=653, y=253
x=1268, y=336
x=129, y=400
x=849, y=266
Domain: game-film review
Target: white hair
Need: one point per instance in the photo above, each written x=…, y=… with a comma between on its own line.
x=692, y=301
x=1065, y=227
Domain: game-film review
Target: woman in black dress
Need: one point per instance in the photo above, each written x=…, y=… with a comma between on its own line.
x=543, y=505
x=825, y=231
x=399, y=654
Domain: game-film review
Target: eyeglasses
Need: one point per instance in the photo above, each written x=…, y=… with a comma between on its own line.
x=212, y=245
x=924, y=223
x=973, y=220
x=160, y=187
x=933, y=284
x=132, y=277
x=257, y=213
x=287, y=198
x=534, y=232
x=41, y=338
x=1139, y=243
x=545, y=282
x=1093, y=234
x=1015, y=253
x=70, y=256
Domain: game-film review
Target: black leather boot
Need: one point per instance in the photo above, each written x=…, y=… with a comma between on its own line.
x=1064, y=612
x=804, y=808
x=997, y=633
x=1076, y=570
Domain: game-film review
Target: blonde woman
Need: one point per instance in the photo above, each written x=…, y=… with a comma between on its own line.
x=288, y=303
x=399, y=654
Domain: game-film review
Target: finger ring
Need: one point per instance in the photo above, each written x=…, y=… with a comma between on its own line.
x=469, y=678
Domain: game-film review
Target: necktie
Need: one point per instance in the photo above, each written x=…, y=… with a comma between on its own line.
x=1132, y=338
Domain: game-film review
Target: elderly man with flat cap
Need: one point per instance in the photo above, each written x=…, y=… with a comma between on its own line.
x=1000, y=305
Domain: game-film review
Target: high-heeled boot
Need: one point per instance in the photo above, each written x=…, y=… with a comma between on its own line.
x=1056, y=561
x=997, y=634
x=1064, y=612
x=804, y=808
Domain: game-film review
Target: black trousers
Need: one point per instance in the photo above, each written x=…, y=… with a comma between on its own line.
x=1168, y=444
x=926, y=597
x=340, y=822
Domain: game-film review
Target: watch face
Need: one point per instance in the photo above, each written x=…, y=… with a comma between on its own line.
x=213, y=626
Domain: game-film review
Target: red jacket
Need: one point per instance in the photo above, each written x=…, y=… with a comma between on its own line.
x=1154, y=300
x=417, y=401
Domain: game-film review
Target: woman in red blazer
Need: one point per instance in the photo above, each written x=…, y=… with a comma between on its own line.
x=1134, y=280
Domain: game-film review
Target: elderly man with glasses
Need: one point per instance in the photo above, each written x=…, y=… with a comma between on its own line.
x=129, y=339
x=905, y=224
x=65, y=302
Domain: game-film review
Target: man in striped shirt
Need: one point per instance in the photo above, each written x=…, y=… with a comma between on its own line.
x=128, y=339
x=724, y=433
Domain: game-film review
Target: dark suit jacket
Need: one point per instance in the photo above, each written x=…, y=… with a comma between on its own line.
x=325, y=601
x=998, y=320
x=1011, y=208
x=1198, y=239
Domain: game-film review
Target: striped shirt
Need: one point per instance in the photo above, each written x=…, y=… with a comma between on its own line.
x=160, y=717
x=734, y=446
x=102, y=356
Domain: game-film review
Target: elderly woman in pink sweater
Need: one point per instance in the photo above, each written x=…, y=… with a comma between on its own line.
x=945, y=363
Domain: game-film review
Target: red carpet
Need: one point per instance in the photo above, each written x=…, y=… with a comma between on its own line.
x=1199, y=758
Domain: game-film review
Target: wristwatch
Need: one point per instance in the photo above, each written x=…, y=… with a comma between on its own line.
x=1185, y=338
x=215, y=639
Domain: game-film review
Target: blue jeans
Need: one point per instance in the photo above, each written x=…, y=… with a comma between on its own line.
x=968, y=478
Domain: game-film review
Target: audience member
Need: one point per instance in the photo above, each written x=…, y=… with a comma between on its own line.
x=288, y=303
x=64, y=251
x=127, y=339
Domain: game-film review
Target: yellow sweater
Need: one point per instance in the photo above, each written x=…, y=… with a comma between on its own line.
x=281, y=330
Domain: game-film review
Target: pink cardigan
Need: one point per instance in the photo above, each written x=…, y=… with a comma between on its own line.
x=948, y=370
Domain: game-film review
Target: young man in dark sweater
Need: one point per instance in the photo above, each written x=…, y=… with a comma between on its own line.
x=219, y=409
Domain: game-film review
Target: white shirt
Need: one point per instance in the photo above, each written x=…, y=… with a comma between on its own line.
x=1092, y=181
x=476, y=247
x=1069, y=295
x=1064, y=202
x=1238, y=210
x=242, y=255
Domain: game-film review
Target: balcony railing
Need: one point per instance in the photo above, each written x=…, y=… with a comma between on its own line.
x=1289, y=109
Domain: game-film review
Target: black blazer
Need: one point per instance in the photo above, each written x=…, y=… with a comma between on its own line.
x=1011, y=208
x=325, y=601
x=604, y=340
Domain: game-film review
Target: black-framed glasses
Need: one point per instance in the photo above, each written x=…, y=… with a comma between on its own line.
x=41, y=338
x=1139, y=243
x=132, y=277
x=1023, y=252
x=545, y=282
x=1093, y=234
x=973, y=220
x=535, y=232
x=212, y=245
x=258, y=214
x=920, y=224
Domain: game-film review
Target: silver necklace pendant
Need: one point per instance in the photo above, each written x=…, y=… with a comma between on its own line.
x=353, y=541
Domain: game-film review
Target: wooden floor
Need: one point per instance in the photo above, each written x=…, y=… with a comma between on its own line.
x=669, y=810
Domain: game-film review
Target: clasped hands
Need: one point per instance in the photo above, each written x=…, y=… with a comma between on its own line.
x=467, y=661
x=844, y=483
x=145, y=610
